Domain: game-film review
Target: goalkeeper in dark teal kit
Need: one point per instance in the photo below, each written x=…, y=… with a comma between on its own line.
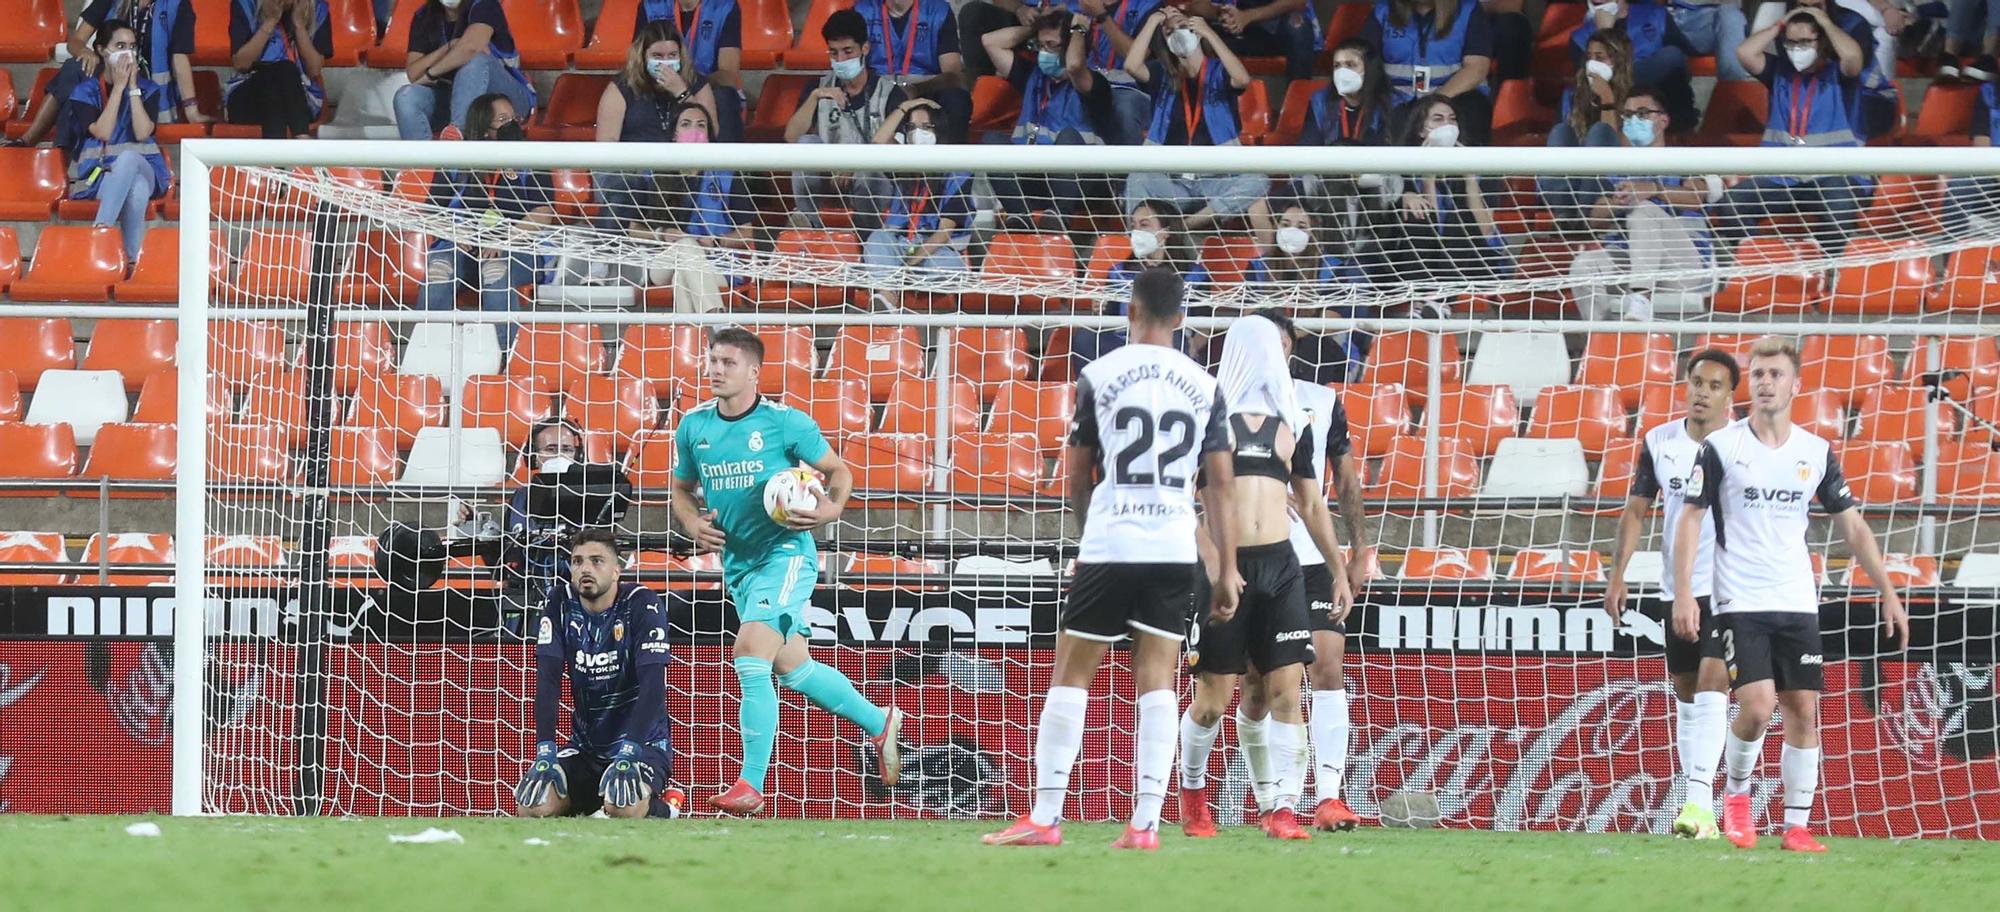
x=612, y=638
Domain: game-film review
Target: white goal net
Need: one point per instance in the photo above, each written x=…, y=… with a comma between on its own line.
x=382, y=335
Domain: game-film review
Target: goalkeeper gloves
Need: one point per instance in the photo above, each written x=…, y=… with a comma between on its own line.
x=544, y=774
x=621, y=782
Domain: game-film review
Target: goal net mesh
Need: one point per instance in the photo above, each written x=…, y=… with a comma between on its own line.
x=424, y=323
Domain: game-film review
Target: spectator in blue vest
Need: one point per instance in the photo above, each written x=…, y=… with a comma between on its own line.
x=495, y=199
x=1157, y=237
x=1436, y=46
x=980, y=18
x=849, y=105
x=712, y=35
x=1590, y=117
x=1062, y=103
x=1813, y=73
x=1967, y=198
x=1300, y=264
x=927, y=220
x=165, y=30
x=1647, y=226
x=1267, y=28
x=701, y=216
x=459, y=50
x=1195, y=79
x=915, y=44
x=1440, y=228
x=116, y=162
x=1715, y=27
x=1110, y=24
x=280, y=47
x=1354, y=107
x=1659, y=51
x=1877, y=101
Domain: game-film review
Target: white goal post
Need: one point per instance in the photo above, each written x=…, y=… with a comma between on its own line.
x=1410, y=637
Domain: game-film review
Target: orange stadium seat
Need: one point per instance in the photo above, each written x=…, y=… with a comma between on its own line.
x=546, y=32
x=11, y=407
x=156, y=278
x=839, y=407
x=275, y=266
x=1880, y=472
x=1253, y=107
x=73, y=263
x=777, y=100
x=1822, y=412
x=989, y=356
x=913, y=408
x=1626, y=361
x=1039, y=409
x=277, y=398
x=996, y=105
x=1849, y=365
x=244, y=551
x=1967, y=471
x=135, y=348
x=665, y=354
x=1898, y=286
x=1031, y=257
x=1904, y=571
x=1539, y=564
x=1591, y=414
x=888, y=462
x=1377, y=413
x=1971, y=280
x=815, y=243
x=767, y=32
x=248, y=453
x=1110, y=250
x=38, y=26
x=1447, y=563
x=650, y=462
x=37, y=344
x=360, y=350
x=384, y=268
x=132, y=452
x=37, y=450
x=609, y=36
x=1779, y=291
x=240, y=194
x=31, y=181
x=556, y=353
x=1517, y=116
x=510, y=405
x=1615, y=470
x=121, y=548
x=1403, y=357
x=877, y=357
x=570, y=111
x=362, y=457
x=1292, y=116
x=10, y=258
x=995, y=463
x=1402, y=472
x=1896, y=413
x=1986, y=408
x=790, y=357
x=239, y=349
x=159, y=401
x=1478, y=415
x=1736, y=114
x=1975, y=360
x=1227, y=257
x=1659, y=403
x=620, y=406
x=32, y=548
x=8, y=102
x=1945, y=115
x=353, y=25
x=405, y=403
x=810, y=51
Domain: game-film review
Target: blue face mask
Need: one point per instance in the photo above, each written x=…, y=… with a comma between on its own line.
x=1050, y=62
x=1639, y=130
x=845, y=70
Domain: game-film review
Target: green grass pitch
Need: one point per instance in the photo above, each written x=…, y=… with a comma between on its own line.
x=49, y=863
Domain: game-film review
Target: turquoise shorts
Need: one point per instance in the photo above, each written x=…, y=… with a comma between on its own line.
x=774, y=591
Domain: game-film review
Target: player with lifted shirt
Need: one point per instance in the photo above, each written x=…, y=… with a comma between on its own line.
x=1755, y=481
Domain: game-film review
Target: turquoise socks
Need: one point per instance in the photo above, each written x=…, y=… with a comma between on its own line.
x=757, y=717
x=830, y=690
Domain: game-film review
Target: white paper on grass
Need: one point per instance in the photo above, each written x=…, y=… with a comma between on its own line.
x=534, y=841
x=429, y=835
x=143, y=828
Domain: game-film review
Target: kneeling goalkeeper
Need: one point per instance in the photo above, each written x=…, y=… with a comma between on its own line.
x=612, y=636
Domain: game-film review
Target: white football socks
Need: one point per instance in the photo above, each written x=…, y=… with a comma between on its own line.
x=1741, y=757
x=1196, y=743
x=1286, y=742
x=1058, y=737
x=1702, y=726
x=1251, y=737
x=1798, y=769
x=1155, y=757
x=1330, y=731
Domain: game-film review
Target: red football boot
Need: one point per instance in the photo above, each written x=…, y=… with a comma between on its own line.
x=1143, y=840
x=1196, y=821
x=741, y=800
x=1026, y=832
x=887, y=750
x=1283, y=824
x=1799, y=839
x=1334, y=814
x=1736, y=823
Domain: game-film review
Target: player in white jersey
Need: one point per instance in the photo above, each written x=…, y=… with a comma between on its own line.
x=1758, y=477
x=1147, y=419
x=1271, y=632
x=1327, y=723
x=1701, y=688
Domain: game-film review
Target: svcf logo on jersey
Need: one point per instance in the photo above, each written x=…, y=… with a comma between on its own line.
x=756, y=441
x=1804, y=470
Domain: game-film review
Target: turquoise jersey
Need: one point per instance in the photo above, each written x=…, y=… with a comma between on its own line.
x=731, y=458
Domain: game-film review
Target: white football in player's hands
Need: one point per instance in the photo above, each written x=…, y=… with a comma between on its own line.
x=793, y=489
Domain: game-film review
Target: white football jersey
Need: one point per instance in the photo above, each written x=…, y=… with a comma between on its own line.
x=1151, y=413
x=1326, y=430
x=1666, y=458
x=1758, y=497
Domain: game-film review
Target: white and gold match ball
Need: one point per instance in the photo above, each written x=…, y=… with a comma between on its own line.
x=795, y=488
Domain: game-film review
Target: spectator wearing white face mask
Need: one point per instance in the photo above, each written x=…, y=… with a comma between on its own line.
x=1354, y=107
x=1660, y=52
x=849, y=105
x=927, y=220
x=1590, y=111
x=1443, y=47
x=115, y=160
x=1440, y=227
x=639, y=106
x=1157, y=236
x=1652, y=228
x=1195, y=79
x=1868, y=26
x=1302, y=253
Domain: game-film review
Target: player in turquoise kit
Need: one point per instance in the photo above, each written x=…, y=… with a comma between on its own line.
x=729, y=447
